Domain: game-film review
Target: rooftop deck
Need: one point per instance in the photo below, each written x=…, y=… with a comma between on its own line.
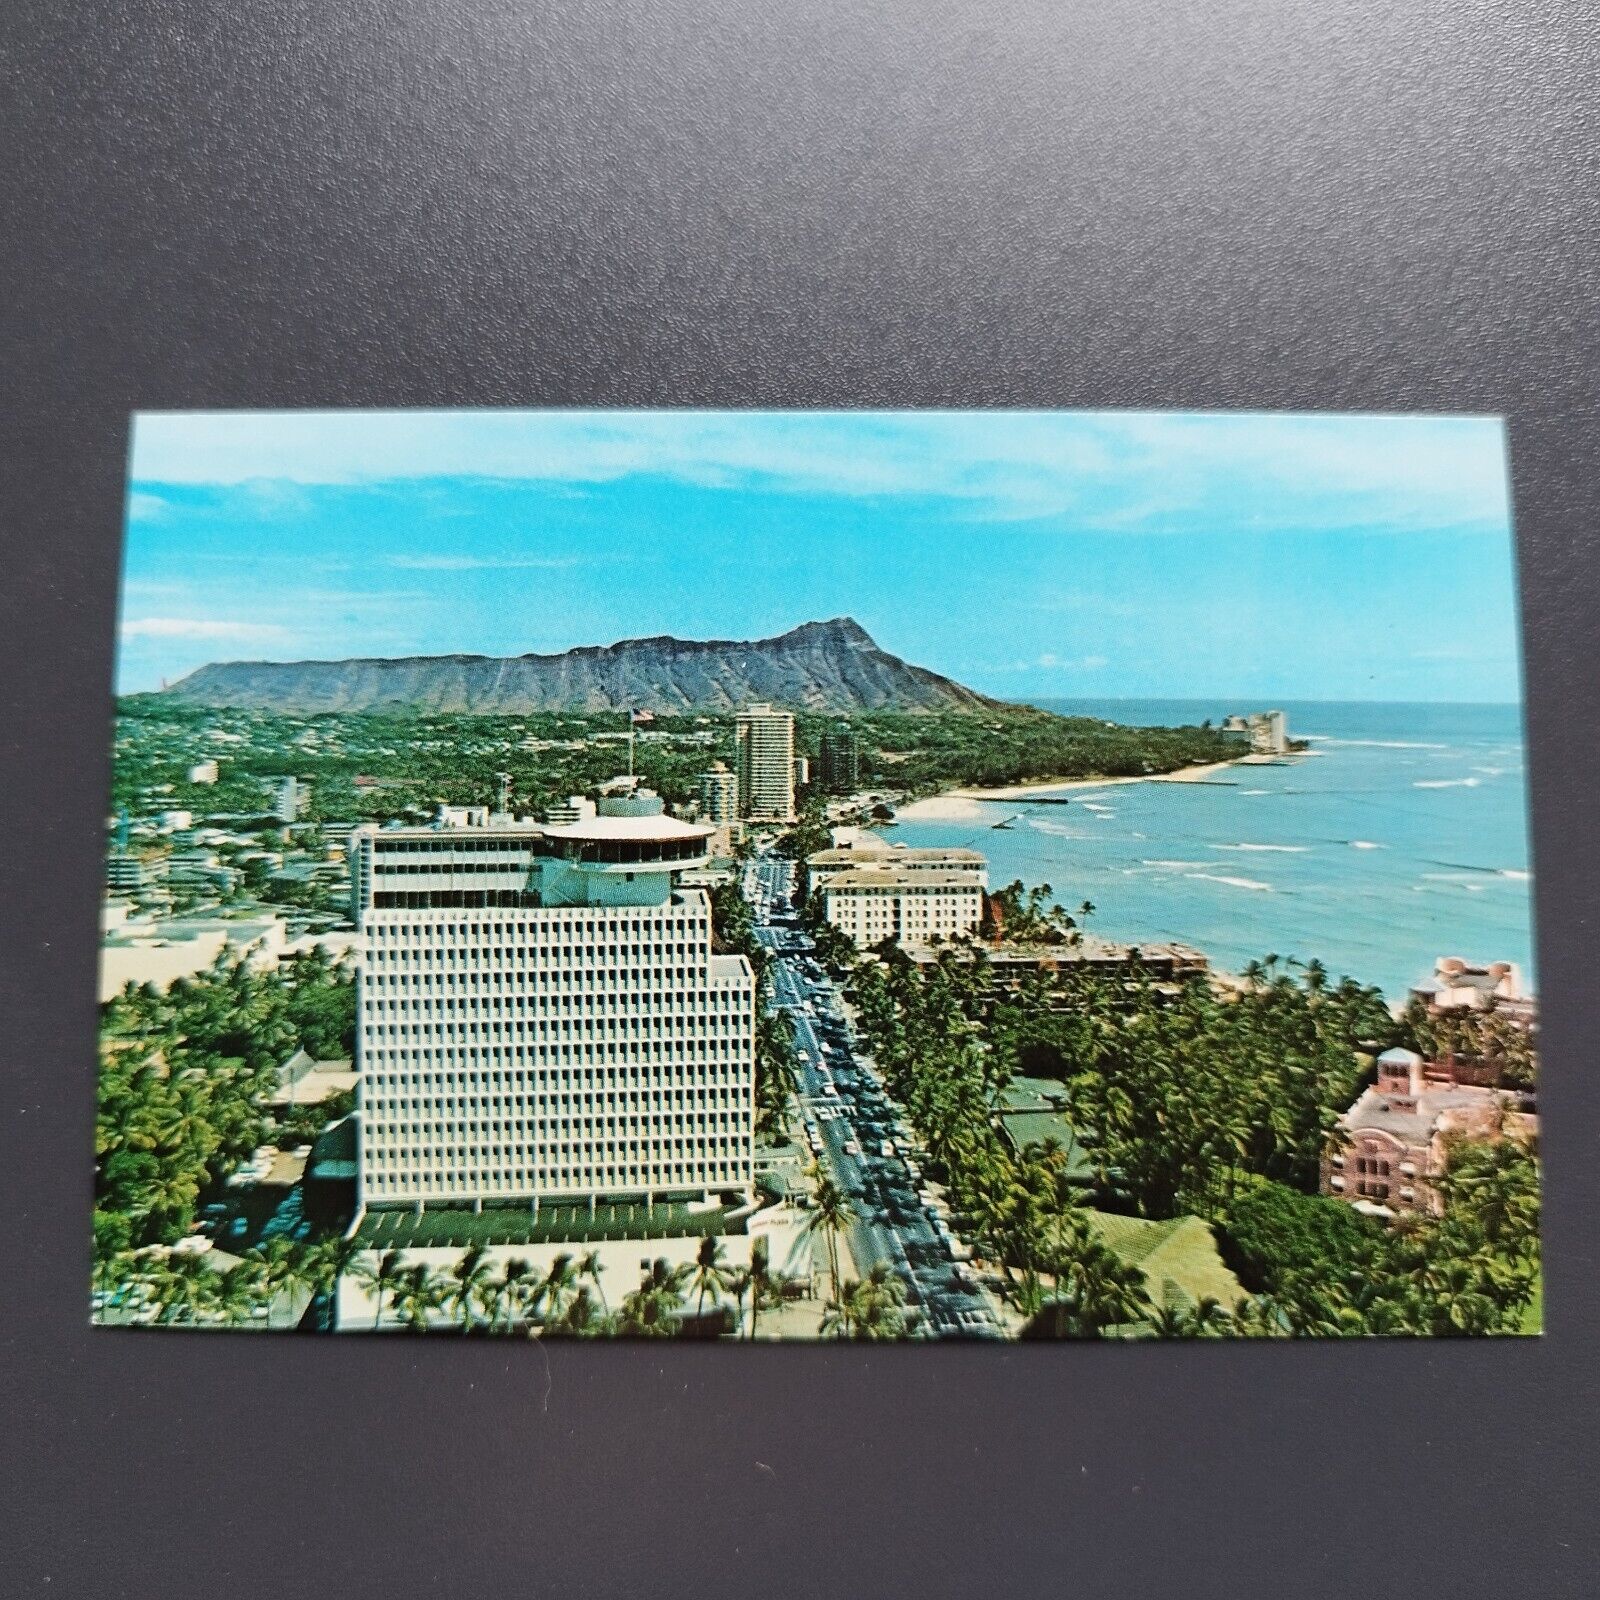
x=440, y=1229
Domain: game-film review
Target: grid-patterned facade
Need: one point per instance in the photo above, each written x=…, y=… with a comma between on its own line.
x=839, y=761
x=511, y=1049
x=766, y=764
x=908, y=908
x=719, y=796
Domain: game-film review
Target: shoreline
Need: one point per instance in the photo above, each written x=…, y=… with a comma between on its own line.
x=960, y=805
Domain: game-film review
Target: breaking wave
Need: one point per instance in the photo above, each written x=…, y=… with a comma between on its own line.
x=1054, y=828
x=1275, y=849
x=1377, y=744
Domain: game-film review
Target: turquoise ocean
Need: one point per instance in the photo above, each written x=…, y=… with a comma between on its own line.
x=1404, y=837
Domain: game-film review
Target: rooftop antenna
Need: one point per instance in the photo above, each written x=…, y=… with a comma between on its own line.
x=505, y=790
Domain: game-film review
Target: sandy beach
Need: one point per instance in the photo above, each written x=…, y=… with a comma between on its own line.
x=966, y=805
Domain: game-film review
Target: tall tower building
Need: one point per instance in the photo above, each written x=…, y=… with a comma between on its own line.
x=540, y=1016
x=766, y=764
x=290, y=796
x=839, y=760
x=719, y=796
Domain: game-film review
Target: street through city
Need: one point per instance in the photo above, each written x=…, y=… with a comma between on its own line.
x=854, y=1130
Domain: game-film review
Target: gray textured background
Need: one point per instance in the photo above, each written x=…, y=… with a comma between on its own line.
x=1371, y=204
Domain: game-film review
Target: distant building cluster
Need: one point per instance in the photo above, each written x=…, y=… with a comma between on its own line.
x=159, y=950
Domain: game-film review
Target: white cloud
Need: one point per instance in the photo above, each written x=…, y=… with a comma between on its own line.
x=146, y=507
x=1050, y=661
x=353, y=597
x=204, y=628
x=481, y=563
x=1100, y=471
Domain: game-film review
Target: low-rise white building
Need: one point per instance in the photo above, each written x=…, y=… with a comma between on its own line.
x=855, y=849
x=563, y=813
x=619, y=1262
x=1457, y=985
x=909, y=907
x=160, y=950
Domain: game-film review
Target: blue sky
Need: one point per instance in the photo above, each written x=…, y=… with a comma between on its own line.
x=1029, y=554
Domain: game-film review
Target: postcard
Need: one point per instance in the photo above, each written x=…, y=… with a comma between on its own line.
x=795, y=875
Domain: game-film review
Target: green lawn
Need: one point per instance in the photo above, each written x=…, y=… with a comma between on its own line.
x=1533, y=1317
x=1178, y=1257
x=1025, y=1127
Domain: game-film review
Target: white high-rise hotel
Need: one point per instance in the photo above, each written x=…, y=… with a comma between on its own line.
x=540, y=1016
x=766, y=763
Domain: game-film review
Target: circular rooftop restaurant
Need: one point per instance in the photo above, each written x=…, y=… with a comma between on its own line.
x=629, y=842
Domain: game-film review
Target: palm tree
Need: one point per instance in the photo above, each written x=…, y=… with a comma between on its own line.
x=237, y=1294
x=383, y=1279
x=419, y=1293
x=467, y=1283
x=186, y=1285
x=839, y=1313
x=710, y=1275
x=590, y=1266
x=651, y=1311
x=877, y=1302
x=275, y=1261
x=1171, y=1321
x=1210, y=1319
x=556, y=1291
x=832, y=1213
x=765, y=1289
x=739, y=1285
x=331, y=1259
x=507, y=1293
x=1104, y=1292
x=583, y=1319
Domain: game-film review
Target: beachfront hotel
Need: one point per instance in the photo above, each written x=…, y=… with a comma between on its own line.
x=870, y=850
x=872, y=904
x=765, y=739
x=540, y=1015
x=874, y=891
